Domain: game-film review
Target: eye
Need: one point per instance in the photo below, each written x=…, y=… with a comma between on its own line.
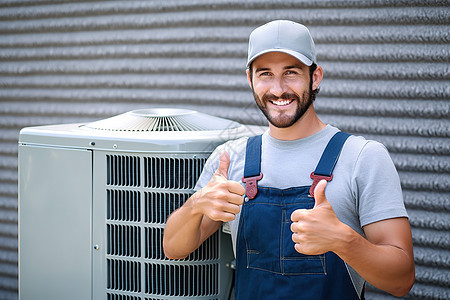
x=291, y=72
x=265, y=74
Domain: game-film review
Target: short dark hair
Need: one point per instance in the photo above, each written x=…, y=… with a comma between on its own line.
x=314, y=93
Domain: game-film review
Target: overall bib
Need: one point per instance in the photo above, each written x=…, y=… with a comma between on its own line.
x=268, y=266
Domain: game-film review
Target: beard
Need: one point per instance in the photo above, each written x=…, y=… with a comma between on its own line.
x=282, y=119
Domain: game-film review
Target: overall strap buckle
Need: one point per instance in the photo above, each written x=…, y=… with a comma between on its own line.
x=252, y=167
x=316, y=179
x=251, y=185
x=328, y=160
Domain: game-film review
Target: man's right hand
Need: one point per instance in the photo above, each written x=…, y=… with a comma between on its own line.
x=220, y=198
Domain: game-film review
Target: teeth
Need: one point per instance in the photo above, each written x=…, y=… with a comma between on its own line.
x=281, y=102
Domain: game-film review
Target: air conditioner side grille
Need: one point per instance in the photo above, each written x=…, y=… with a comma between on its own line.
x=123, y=205
x=141, y=192
x=159, y=205
x=172, y=173
x=123, y=170
x=177, y=280
x=124, y=240
x=122, y=275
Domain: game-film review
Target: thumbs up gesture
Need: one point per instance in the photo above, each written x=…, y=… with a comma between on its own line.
x=316, y=231
x=220, y=198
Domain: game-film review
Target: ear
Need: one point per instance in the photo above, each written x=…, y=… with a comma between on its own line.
x=317, y=77
x=249, y=78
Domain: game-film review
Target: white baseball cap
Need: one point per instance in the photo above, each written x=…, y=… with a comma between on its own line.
x=282, y=36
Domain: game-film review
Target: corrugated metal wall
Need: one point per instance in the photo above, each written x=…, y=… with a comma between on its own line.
x=386, y=68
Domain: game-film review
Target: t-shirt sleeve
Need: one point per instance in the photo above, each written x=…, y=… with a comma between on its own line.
x=211, y=165
x=377, y=183
x=236, y=151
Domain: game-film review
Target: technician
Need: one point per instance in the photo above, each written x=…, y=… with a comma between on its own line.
x=314, y=212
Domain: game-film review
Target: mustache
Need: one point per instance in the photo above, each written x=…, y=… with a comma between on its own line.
x=284, y=96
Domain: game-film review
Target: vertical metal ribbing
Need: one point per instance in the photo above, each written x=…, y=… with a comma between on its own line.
x=118, y=170
x=164, y=177
x=118, y=280
x=169, y=173
x=108, y=204
x=113, y=173
x=130, y=274
x=193, y=167
x=147, y=243
x=199, y=274
x=158, y=179
x=121, y=167
x=114, y=170
x=175, y=170
x=121, y=205
x=140, y=242
x=130, y=205
x=138, y=171
x=108, y=274
x=124, y=206
x=167, y=273
x=135, y=171
x=163, y=279
x=131, y=170
x=108, y=169
x=126, y=170
x=160, y=207
x=145, y=169
x=134, y=242
x=123, y=170
x=198, y=281
x=187, y=166
x=160, y=252
x=155, y=178
x=149, y=172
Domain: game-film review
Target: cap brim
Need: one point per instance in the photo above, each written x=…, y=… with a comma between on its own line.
x=303, y=59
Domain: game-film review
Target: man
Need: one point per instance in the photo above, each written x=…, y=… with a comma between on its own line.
x=295, y=235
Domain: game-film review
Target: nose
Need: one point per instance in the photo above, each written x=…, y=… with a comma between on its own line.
x=278, y=87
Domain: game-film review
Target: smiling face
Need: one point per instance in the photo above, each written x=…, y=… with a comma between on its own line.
x=282, y=88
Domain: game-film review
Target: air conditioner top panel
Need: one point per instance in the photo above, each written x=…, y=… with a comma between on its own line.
x=142, y=131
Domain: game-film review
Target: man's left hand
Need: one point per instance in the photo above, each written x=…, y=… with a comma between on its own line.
x=316, y=230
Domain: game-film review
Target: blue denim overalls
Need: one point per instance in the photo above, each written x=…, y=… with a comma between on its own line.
x=268, y=267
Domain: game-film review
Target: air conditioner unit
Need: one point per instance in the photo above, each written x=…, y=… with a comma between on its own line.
x=93, y=200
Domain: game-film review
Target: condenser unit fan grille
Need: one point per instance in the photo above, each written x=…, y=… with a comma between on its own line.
x=165, y=120
x=142, y=191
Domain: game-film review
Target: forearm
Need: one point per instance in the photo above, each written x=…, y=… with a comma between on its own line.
x=181, y=236
x=185, y=230
x=387, y=267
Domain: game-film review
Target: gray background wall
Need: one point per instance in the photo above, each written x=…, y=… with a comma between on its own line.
x=386, y=68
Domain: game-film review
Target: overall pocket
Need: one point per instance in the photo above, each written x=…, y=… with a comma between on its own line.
x=268, y=238
x=261, y=229
x=293, y=262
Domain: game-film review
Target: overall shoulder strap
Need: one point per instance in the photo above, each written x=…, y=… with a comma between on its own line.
x=252, y=167
x=330, y=156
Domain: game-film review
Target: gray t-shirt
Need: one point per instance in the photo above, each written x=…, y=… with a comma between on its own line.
x=365, y=186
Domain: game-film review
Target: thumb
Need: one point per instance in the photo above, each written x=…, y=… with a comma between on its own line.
x=319, y=193
x=224, y=164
